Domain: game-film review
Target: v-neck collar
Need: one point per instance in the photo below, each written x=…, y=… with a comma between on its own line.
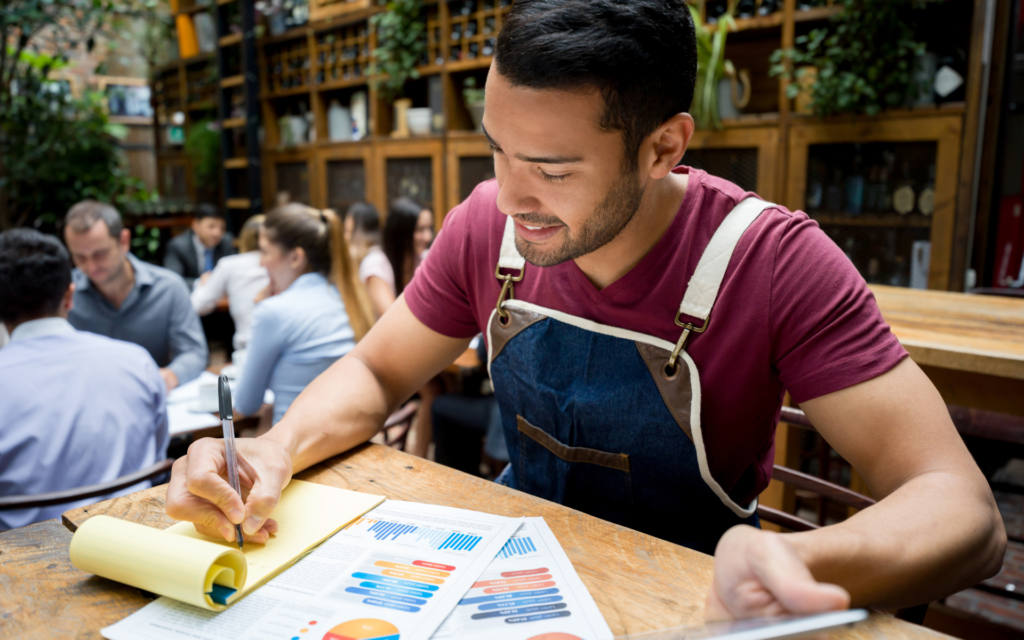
x=655, y=256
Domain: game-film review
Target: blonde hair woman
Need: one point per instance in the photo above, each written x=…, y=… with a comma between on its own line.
x=315, y=312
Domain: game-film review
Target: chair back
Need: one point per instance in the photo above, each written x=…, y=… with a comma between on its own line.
x=81, y=493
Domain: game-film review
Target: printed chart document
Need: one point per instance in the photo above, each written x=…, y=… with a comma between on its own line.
x=393, y=574
x=529, y=591
x=209, y=572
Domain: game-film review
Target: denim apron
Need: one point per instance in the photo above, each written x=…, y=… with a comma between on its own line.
x=607, y=420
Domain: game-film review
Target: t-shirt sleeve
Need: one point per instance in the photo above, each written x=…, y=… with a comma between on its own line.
x=439, y=295
x=826, y=329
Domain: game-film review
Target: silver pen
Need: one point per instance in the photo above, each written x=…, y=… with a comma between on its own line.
x=227, y=421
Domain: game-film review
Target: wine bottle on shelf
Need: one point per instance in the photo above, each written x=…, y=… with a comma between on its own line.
x=904, y=197
x=871, y=190
x=768, y=7
x=746, y=9
x=926, y=199
x=714, y=9
x=854, y=200
x=884, y=194
x=834, y=193
x=815, y=188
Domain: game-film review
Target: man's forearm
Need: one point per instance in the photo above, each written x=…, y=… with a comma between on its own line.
x=937, y=534
x=344, y=407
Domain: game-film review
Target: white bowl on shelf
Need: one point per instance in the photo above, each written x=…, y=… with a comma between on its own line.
x=419, y=121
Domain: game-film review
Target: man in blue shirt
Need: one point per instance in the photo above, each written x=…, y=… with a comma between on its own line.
x=119, y=296
x=76, y=409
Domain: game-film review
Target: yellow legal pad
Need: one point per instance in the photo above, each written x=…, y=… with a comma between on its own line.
x=180, y=563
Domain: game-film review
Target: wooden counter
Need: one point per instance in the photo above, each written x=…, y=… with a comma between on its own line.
x=640, y=583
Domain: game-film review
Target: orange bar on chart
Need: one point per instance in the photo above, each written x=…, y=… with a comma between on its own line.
x=520, y=587
x=411, y=576
x=407, y=567
x=495, y=583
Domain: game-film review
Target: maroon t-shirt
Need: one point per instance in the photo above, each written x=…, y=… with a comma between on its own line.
x=792, y=313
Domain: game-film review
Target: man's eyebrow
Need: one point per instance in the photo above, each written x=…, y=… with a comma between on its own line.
x=534, y=159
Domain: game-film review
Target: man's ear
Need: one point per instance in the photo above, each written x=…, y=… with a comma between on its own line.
x=125, y=240
x=68, y=302
x=668, y=143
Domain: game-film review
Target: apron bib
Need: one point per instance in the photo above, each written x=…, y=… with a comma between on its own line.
x=607, y=420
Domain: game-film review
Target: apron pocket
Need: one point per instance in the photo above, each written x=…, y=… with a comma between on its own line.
x=593, y=481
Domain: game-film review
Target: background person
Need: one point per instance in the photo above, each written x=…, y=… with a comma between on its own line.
x=194, y=253
x=121, y=297
x=408, y=232
x=362, y=230
x=303, y=328
x=240, y=278
x=76, y=408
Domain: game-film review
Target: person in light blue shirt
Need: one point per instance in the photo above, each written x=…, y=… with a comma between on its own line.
x=315, y=311
x=76, y=409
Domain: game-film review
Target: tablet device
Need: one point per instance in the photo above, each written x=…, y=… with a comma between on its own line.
x=759, y=628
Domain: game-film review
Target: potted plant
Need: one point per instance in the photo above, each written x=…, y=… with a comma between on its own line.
x=400, y=46
x=862, y=62
x=474, y=98
x=712, y=68
x=202, y=146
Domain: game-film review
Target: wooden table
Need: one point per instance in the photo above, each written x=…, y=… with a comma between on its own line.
x=640, y=583
x=971, y=346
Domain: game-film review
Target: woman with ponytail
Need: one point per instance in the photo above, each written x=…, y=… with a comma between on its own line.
x=313, y=311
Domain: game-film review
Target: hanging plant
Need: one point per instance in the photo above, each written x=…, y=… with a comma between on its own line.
x=711, y=67
x=862, y=62
x=400, y=44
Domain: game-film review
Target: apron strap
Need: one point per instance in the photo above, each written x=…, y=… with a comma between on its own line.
x=509, y=257
x=707, y=278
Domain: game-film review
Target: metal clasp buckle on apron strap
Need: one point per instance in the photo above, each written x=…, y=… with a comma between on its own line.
x=688, y=328
x=507, y=288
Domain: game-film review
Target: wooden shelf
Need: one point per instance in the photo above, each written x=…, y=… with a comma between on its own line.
x=817, y=13
x=297, y=91
x=232, y=81
x=233, y=123
x=223, y=2
x=342, y=84
x=239, y=203
x=201, y=106
x=199, y=57
x=913, y=221
x=236, y=163
x=231, y=39
x=194, y=9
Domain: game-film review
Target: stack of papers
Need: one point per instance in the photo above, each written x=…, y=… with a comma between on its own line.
x=182, y=415
x=403, y=571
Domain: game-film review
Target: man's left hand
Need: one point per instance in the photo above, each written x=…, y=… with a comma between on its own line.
x=170, y=379
x=759, y=574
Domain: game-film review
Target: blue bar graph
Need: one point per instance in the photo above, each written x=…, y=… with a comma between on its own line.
x=517, y=547
x=460, y=542
x=432, y=538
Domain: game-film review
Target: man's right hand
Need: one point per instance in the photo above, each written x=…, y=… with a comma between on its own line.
x=199, y=491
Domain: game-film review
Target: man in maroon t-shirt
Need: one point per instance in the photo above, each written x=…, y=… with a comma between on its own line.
x=643, y=321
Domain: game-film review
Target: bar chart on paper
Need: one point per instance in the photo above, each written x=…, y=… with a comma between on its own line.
x=425, y=537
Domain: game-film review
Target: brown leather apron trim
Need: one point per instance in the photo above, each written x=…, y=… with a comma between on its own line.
x=677, y=391
x=618, y=461
x=519, y=321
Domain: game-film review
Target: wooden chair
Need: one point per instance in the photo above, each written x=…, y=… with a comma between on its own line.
x=396, y=428
x=81, y=493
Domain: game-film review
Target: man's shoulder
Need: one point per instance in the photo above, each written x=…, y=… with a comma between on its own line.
x=78, y=343
x=723, y=196
x=182, y=241
x=162, y=275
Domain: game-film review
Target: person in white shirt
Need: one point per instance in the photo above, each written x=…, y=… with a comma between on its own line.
x=240, y=278
x=362, y=231
x=4, y=338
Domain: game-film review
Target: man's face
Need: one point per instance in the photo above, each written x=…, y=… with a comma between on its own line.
x=99, y=256
x=210, y=231
x=560, y=175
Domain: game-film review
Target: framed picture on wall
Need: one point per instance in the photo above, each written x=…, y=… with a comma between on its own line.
x=128, y=99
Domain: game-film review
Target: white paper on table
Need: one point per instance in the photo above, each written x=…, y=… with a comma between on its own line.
x=397, y=572
x=529, y=590
x=188, y=393
x=180, y=419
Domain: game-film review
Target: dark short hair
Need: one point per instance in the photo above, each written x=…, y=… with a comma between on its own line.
x=207, y=210
x=35, y=272
x=365, y=218
x=640, y=54
x=86, y=213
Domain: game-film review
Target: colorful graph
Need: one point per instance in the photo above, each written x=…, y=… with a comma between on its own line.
x=365, y=629
x=517, y=547
x=432, y=538
x=393, y=582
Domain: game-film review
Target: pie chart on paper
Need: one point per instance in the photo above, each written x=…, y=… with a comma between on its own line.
x=364, y=629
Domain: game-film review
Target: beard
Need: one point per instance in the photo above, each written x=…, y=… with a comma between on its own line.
x=610, y=217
